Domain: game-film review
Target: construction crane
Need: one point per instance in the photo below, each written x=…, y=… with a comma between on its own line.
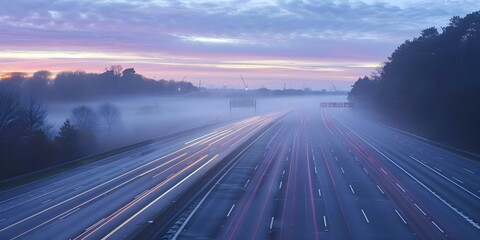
x=244, y=84
x=334, y=88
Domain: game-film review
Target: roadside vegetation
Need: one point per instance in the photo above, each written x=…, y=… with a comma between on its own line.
x=28, y=142
x=430, y=84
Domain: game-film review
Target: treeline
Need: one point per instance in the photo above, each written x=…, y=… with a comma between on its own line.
x=81, y=85
x=432, y=82
x=28, y=143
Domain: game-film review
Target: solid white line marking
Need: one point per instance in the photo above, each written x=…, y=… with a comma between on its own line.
x=458, y=180
x=246, y=183
x=325, y=221
x=280, y=186
x=437, y=226
x=401, y=187
x=319, y=193
x=365, y=170
x=420, y=209
x=68, y=213
x=159, y=197
x=468, y=170
x=342, y=170
x=400, y=216
x=365, y=215
x=230, y=211
x=351, y=188
x=268, y=145
x=380, y=190
x=271, y=223
x=448, y=179
x=201, y=202
x=467, y=218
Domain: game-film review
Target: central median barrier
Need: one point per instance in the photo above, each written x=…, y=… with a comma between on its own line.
x=168, y=215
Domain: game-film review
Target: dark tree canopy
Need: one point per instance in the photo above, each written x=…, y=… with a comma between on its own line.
x=82, y=85
x=26, y=143
x=432, y=81
x=68, y=141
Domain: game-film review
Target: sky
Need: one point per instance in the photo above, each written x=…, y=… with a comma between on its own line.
x=317, y=44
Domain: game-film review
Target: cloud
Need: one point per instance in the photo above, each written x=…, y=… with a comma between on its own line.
x=214, y=31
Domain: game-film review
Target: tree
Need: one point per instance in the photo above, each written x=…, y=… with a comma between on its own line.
x=37, y=85
x=84, y=118
x=110, y=115
x=431, y=83
x=363, y=90
x=430, y=32
x=116, y=69
x=9, y=107
x=68, y=141
x=33, y=116
x=24, y=144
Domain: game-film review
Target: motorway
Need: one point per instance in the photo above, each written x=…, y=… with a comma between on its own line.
x=115, y=197
x=316, y=173
x=328, y=174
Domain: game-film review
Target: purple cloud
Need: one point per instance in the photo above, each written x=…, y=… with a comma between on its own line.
x=212, y=31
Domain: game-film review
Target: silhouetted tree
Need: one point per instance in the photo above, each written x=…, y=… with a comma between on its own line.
x=363, y=91
x=84, y=118
x=9, y=106
x=33, y=116
x=432, y=82
x=68, y=141
x=110, y=115
x=24, y=145
x=37, y=85
x=86, y=121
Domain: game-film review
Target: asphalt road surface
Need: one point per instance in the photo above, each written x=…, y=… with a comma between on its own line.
x=114, y=197
x=327, y=174
x=306, y=174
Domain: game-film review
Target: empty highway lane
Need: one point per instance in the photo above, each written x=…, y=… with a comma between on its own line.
x=328, y=174
x=304, y=174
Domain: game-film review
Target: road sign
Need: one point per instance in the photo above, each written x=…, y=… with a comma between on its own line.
x=336, y=104
x=243, y=103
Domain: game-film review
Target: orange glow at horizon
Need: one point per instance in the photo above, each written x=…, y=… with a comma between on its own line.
x=216, y=71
